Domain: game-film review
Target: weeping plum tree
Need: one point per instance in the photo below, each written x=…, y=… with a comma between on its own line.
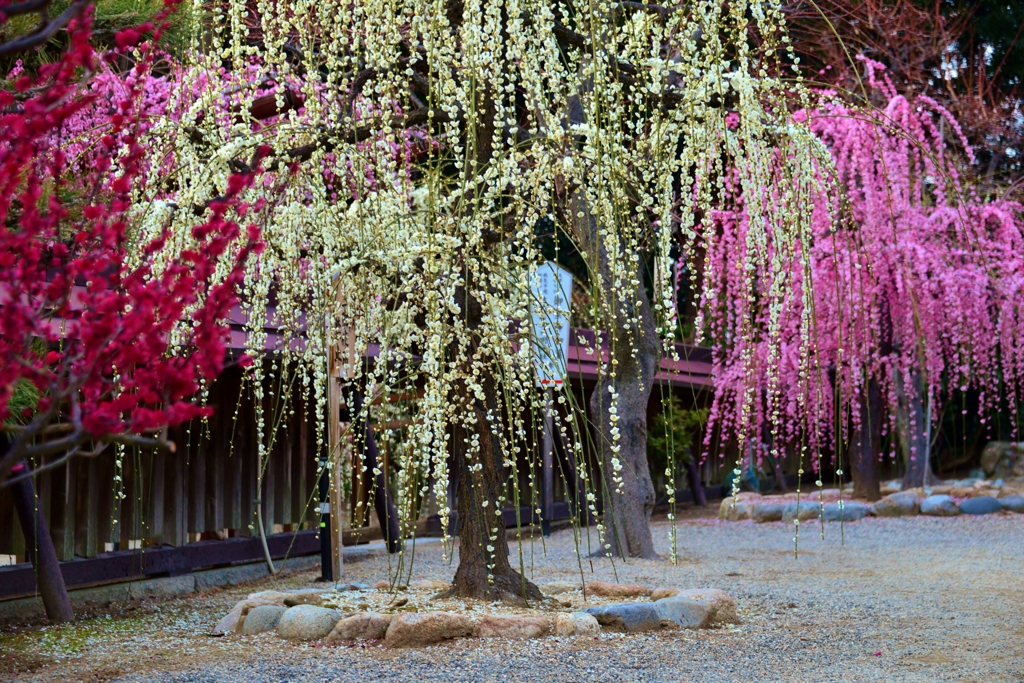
x=914, y=296
x=414, y=148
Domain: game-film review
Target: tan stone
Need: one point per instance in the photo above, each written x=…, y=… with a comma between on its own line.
x=430, y=585
x=513, y=626
x=738, y=511
x=942, y=490
x=304, y=599
x=617, y=590
x=662, y=593
x=575, y=624
x=382, y=585
x=361, y=626
x=904, y=503
x=723, y=606
x=426, y=628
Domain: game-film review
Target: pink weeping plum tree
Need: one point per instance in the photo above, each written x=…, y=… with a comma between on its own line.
x=914, y=294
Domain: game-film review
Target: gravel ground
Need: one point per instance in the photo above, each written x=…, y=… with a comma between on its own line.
x=910, y=599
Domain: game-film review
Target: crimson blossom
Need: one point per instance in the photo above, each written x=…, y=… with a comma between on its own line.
x=116, y=342
x=912, y=295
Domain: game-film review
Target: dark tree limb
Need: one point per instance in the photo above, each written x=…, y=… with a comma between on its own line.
x=46, y=31
x=19, y=8
x=39, y=545
x=866, y=443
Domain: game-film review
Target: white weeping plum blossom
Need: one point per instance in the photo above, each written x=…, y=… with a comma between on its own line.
x=413, y=148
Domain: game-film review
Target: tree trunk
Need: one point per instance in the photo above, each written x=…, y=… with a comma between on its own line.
x=633, y=358
x=693, y=479
x=769, y=442
x=914, y=427
x=387, y=516
x=39, y=546
x=484, y=571
x=865, y=445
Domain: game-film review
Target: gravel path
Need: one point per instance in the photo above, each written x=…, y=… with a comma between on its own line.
x=911, y=599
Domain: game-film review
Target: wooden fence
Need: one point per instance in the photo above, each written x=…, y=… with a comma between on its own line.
x=206, y=490
x=196, y=507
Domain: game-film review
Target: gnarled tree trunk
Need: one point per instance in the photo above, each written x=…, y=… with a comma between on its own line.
x=632, y=338
x=484, y=570
x=38, y=544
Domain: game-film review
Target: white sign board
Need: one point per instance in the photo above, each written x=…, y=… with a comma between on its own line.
x=552, y=294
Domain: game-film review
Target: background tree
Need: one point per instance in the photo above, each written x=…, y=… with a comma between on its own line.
x=965, y=55
x=914, y=294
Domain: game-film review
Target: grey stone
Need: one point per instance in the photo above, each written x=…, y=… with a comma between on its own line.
x=263, y=618
x=734, y=511
x=1013, y=503
x=307, y=622
x=899, y=504
x=939, y=505
x=628, y=616
x=305, y=596
x=685, y=612
x=304, y=563
x=166, y=587
x=768, y=512
x=357, y=587
x=512, y=626
x=983, y=505
x=21, y=609
x=723, y=606
x=851, y=511
x=806, y=511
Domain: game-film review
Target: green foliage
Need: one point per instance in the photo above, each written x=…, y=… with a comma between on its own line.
x=23, y=403
x=111, y=16
x=25, y=397
x=673, y=432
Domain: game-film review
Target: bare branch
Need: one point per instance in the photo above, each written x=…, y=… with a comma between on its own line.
x=46, y=32
x=28, y=7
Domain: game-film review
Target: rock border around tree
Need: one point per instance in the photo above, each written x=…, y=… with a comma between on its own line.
x=310, y=615
x=950, y=499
